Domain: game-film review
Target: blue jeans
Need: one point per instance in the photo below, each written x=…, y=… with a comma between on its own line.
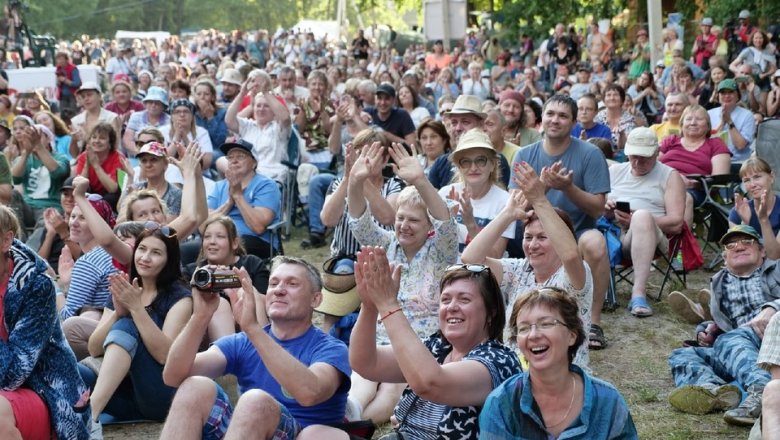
x=318, y=187
x=142, y=395
x=731, y=358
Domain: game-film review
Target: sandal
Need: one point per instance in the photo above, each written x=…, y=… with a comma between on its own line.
x=639, y=307
x=596, y=338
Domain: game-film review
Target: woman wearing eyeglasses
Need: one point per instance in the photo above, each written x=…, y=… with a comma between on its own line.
x=477, y=191
x=450, y=373
x=145, y=313
x=554, y=398
x=551, y=255
x=424, y=241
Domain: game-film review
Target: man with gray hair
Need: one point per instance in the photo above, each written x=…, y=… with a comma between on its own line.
x=366, y=89
x=292, y=376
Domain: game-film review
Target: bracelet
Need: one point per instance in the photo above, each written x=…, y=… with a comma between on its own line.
x=382, y=319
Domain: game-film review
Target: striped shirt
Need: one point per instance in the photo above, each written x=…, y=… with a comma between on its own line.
x=89, y=282
x=344, y=243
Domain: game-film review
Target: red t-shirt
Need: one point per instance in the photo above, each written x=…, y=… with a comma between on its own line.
x=3, y=289
x=691, y=162
x=110, y=166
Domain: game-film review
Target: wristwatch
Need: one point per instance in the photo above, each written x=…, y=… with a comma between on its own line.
x=731, y=125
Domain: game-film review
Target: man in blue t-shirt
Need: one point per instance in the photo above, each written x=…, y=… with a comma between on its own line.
x=291, y=375
x=576, y=175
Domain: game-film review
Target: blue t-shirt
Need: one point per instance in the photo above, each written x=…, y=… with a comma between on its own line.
x=774, y=216
x=312, y=347
x=261, y=192
x=597, y=131
x=591, y=175
x=510, y=411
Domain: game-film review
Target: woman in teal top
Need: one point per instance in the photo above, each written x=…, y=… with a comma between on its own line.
x=554, y=398
x=60, y=130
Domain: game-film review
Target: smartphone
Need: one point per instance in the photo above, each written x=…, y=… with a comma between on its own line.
x=623, y=207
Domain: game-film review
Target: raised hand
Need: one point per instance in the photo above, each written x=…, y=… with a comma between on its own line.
x=761, y=204
x=368, y=163
x=557, y=176
x=518, y=205
x=350, y=156
x=532, y=186
x=190, y=158
x=380, y=281
x=65, y=266
x=243, y=301
x=466, y=209
x=406, y=166
x=80, y=186
x=743, y=208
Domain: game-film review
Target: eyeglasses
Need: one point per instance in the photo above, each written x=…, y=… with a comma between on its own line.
x=164, y=230
x=743, y=241
x=181, y=112
x=466, y=163
x=473, y=268
x=544, y=325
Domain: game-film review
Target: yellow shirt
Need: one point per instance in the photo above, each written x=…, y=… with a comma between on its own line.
x=665, y=129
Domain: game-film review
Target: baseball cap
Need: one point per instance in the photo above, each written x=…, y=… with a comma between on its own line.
x=240, y=143
x=744, y=13
x=67, y=184
x=89, y=85
x=727, y=84
x=154, y=148
x=741, y=230
x=387, y=89
x=641, y=142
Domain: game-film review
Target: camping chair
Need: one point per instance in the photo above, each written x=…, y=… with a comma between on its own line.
x=713, y=214
x=622, y=268
x=766, y=145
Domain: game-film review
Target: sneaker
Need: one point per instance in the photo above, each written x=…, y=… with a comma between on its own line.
x=96, y=432
x=748, y=411
x=703, y=399
x=315, y=240
x=354, y=411
x=685, y=308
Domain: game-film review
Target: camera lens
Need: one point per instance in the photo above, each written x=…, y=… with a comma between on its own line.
x=201, y=278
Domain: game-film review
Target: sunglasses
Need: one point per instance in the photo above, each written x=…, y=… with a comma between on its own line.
x=473, y=268
x=742, y=241
x=164, y=230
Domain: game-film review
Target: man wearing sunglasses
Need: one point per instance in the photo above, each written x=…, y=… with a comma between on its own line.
x=745, y=296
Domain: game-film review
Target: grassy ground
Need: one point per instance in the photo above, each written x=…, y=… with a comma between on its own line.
x=635, y=362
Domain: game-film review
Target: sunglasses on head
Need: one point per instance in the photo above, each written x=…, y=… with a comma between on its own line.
x=473, y=268
x=164, y=230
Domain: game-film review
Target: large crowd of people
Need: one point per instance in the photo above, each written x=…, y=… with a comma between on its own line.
x=459, y=192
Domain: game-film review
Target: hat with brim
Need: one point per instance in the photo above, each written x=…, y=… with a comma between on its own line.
x=339, y=290
x=727, y=84
x=336, y=282
x=156, y=94
x=339, y=303
x=89, y=85
x=231, y=76
x=642, y=141
x=387, y=89
x=467, y=105
x=741, y=230
x=153, y=148
x=244, y=145
x=472, y=139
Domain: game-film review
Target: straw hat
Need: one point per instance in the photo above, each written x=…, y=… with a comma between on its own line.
x=339, y=291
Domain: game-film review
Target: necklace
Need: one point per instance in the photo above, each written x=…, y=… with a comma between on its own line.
x=566, y=416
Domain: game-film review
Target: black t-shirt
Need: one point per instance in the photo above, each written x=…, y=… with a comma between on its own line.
x=360, y=48
x=398, y=123
x=256, y=267
x=5, y=77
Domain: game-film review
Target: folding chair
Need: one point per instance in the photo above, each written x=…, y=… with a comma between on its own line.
x=713, y=214
x=624, y=271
